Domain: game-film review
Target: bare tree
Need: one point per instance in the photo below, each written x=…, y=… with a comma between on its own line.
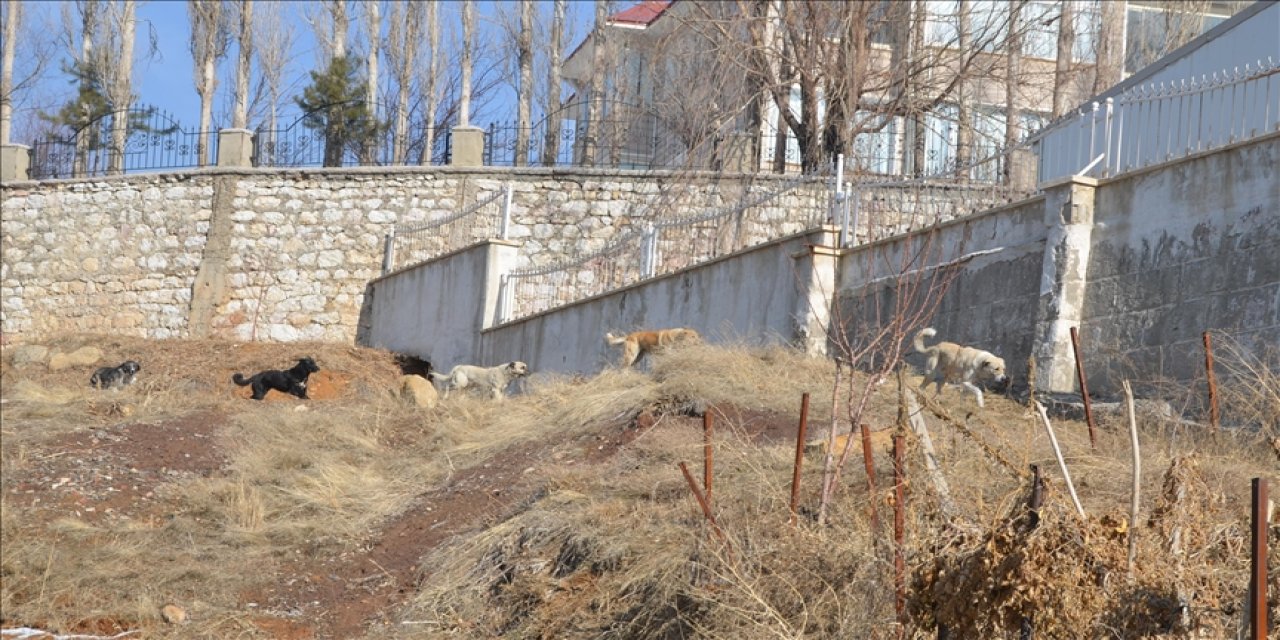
x=595, y=109
x=555, y=54
x=117, y=70
x=403, y=37
x=1013, y=83
x=12, y=16
x=1063, y=65
x=273, y=37
x=524, y=102
x=433, y=74
x=373, y=25
x=330, y=23
x=468, y=44
x=1109, y=64
x=209, y=40
x=244, y=44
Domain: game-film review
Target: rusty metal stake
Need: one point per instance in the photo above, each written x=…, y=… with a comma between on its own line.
x=899, y=526
x=706, y=454
x=870, y=464
x=795, y=473
x=1258, y=579
x=1213, y=382
x=1084, y=389
x=706, y=508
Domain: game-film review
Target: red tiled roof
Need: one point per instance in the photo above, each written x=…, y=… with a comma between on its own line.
x=643, y=13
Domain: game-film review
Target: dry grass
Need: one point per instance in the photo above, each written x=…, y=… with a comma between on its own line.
x=618, y=548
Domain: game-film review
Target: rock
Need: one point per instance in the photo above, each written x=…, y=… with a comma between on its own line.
x=26, y=354
x=173, y=614
x=419, y=390
x=82, y=357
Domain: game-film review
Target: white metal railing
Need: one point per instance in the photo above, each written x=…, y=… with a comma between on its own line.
x=1161, y=121
x=489, y=217
x=662, y=247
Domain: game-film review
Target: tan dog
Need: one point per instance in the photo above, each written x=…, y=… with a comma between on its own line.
x=641, y=342
x=494, y=379
x=950, y=362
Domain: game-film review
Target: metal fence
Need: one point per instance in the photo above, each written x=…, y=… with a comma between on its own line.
x=489, y=217
x=665, y=246
x=1162, y=121
x=365, y=141
x=152, y=140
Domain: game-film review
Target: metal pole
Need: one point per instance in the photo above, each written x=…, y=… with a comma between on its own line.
x=1213, y=382
x=870, y=464
x=706, y=454
x=506, y=214
x=1084, y=390
x=1258, y=577
x=795, y=473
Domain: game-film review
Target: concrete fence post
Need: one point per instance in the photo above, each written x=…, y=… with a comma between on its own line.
x=235, y=148
x=500, y=261
x=506, y=214
x=816, y=269
x=1069, y=206
x=389, y=252
x=468, y=147
x=15, y=163
x=649, y=252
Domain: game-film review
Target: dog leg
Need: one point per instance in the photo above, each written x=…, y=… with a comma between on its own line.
x=977, y=392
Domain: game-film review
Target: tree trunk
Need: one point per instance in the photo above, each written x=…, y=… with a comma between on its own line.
x=12, y=15
x=1012, y=88
x=433, y=72
x=88, y=27
x=964, y=115
x=1063, y=64
x=121, y=89
x=596, y=108
x=914, y=97
x=405, y=33
x=551, y=148
x=340, y=25
x=240, y=119
x=524, y=108
x=1109, y=69
x=468, y=33
x=373, y=18
x=206, y=34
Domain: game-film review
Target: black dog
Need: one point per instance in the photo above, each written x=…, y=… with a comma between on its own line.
x=115, y=377
x=293, y=381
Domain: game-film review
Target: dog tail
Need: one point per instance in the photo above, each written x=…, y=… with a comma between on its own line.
x=926, y=332
x=613, y=340
x=240, y=380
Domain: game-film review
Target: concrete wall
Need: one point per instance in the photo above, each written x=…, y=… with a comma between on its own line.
x=992, y=283
x=1183, y=248
x=755, y=296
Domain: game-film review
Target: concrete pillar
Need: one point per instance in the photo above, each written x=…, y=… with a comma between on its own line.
x=816, y=268
x=500, y=261
x=235, y=148
x=468, y=147
x=1068, y=209
x=15, y=162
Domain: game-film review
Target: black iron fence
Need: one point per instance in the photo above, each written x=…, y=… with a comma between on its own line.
x=137, y=139
x=317, y=138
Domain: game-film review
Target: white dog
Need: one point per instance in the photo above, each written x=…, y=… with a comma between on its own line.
x=950, y=362
x=494, y=379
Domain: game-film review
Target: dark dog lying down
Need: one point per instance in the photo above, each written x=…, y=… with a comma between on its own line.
x=293, y=381
x=115, y=377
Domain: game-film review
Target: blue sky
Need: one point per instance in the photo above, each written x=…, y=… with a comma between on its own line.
x=165, y=80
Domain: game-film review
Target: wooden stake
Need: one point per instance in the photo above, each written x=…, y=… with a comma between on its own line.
x=795, y=473
x=1062, y=464
x=930, y=458
x=1084, y=390
x=1137, y=475
x=899, y=531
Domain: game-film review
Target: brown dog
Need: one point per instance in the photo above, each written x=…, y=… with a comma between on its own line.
x=641, y=342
